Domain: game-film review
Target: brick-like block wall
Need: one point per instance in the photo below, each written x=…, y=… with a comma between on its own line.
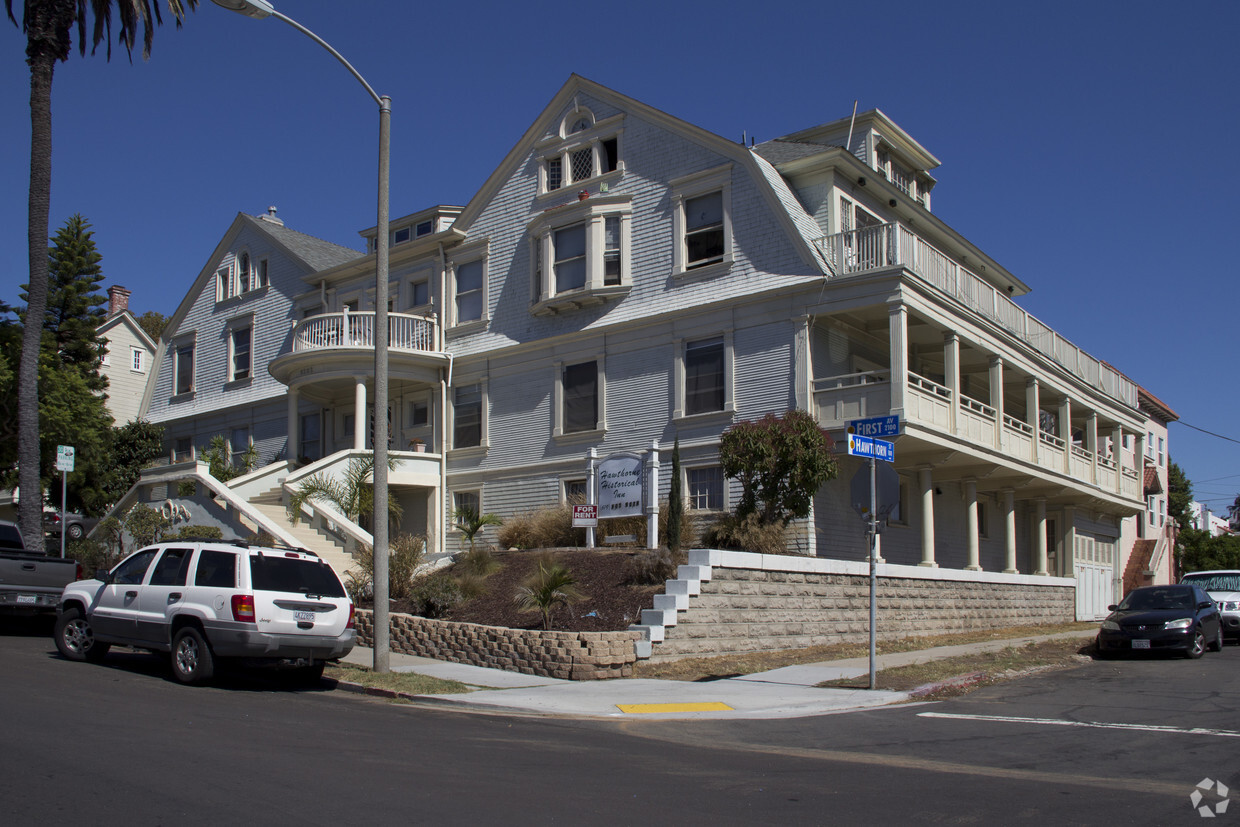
x=746, y=610
x=577, y=656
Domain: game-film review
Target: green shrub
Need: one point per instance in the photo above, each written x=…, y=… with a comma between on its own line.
x=146, y=525
x=261, y=538
x=436, y=595
x=196, y=532
x=746, y=533
x=545, y=528
x=407, y=554
x=92, y=554
x=478, y=561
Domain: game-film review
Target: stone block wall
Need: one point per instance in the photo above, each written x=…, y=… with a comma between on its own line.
x=578, y=656
x=746, y=610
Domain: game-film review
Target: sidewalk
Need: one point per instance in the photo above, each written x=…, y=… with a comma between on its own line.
x=788, y=692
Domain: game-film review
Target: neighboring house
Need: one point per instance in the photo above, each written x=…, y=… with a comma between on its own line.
x=624, y=278
x=1203, y=519
x=129, y=354
x=1149, y=538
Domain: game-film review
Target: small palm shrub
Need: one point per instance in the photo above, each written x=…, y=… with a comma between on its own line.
x=551, y=585
x=407, y=553
x=746, y=533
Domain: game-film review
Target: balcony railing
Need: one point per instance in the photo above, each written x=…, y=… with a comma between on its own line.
x=887, y=245
x=357, y=330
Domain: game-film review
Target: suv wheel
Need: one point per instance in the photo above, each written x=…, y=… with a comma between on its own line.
x=75, y=639
x=192, y=661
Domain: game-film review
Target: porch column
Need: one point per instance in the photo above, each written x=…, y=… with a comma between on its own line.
x=804, y=389
x=970, y=501
x=1117, y=454
x=926, y=483
x=1009, y=531
x=294, y=437
x=359, y=414
x=996, y=398
x=897, y=325
x=1067, y=566
x=1065, y=433
x=951, y=376
x=1091, y=443
x=1033, y=408
x=1039, y=536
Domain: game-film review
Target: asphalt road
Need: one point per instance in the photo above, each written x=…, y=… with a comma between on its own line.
x=123, y=743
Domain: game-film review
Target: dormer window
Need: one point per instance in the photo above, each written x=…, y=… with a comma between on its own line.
x=585, y=150
x=579, y=254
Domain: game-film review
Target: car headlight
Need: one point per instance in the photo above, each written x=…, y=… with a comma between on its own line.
x=1110, y=625
x=1180, y=623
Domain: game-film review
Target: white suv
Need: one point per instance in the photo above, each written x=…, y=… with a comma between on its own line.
x=1224, y=589
x=202, y=600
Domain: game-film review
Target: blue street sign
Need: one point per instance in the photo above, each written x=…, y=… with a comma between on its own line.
x=877, y=426
x=863, y=446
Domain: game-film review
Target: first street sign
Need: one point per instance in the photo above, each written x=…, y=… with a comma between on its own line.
x=877, y=426
x=862, y=446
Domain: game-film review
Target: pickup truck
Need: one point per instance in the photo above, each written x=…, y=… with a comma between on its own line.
x=30, y=581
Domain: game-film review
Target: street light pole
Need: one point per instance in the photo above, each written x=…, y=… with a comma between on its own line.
x=259, y=9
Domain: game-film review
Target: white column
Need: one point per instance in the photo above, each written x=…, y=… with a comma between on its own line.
x=802, y=356
x=1033, y=406
x=970, y=501
x=1117, y=454
x=926, y=483
x=951, y=376
x=1039, y=537
x=359, y=414
x=294, y=437
x=996, y=398
x=1091, y=443
x=1065, y=433
x=1009, y=531
x=897, y=325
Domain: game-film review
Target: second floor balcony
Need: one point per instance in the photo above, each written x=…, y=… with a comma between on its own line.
x=332, y=349
x=894, y=245
x=350, y=329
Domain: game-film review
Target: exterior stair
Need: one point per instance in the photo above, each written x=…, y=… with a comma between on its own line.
x=271, y=503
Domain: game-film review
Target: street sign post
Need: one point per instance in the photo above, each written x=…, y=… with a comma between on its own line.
x=64, y=464
x=862, y=445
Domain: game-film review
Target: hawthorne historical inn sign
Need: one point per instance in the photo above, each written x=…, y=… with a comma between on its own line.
x=625, y=485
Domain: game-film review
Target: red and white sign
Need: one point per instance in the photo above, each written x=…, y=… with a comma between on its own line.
x=585, y=516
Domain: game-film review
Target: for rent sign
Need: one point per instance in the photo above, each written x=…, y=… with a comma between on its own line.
x=620, y=486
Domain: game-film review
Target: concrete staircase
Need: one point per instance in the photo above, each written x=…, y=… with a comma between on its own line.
x=271, y=504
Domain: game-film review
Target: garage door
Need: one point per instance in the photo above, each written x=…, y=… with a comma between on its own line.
x=1095, y=572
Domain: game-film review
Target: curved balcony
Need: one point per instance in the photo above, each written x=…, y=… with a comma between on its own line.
x=357, y=330
x=333, y=349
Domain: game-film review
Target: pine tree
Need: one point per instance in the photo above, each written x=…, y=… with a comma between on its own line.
x=675, y=501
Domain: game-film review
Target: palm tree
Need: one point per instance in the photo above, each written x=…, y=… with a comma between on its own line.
x=469, y=522
x=550, y=586
x=351, y=495
x=48, y=26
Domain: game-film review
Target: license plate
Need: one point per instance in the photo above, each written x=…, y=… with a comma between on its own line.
x=1140, y=644
x=304, y=616
x=28, y=599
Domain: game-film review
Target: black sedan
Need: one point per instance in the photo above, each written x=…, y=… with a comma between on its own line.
x=1161, y=618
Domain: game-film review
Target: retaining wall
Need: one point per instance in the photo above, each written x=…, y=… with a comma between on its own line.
x=578, y=656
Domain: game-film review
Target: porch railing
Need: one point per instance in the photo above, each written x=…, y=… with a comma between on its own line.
x=349, y=329
x=886, y=245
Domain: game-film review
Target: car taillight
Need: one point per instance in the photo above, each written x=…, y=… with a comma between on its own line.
x=243, y=608
x=349, y=625
x=77, y=575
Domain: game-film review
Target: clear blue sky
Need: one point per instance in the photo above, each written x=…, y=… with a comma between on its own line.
x=1087, y=146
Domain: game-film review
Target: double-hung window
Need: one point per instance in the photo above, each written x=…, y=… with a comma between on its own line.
x=224, y=281
x=579, y=254
x=137, y=364
x=580, y=397
x=468, y=286
x=467, y=416
x=702, y=205
x=239, y=346
x=703, y=376
x=704, y=487
x=183, y=368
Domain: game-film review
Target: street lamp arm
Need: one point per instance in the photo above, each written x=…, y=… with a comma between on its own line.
x=383, y=101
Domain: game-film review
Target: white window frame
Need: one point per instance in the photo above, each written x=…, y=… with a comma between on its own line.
x=680, y=382
x=423, y=275
x=457, y=493
x=137, y=360
x=690, y=504
x=594, y=214
x=566, y=481
x=564, y=145
x=718, y=179
x=600, y=425
x=189, y=341
x=484, y=427
x=233, y=327
x=245, y=273
x=226, y=279
x=461, y=258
